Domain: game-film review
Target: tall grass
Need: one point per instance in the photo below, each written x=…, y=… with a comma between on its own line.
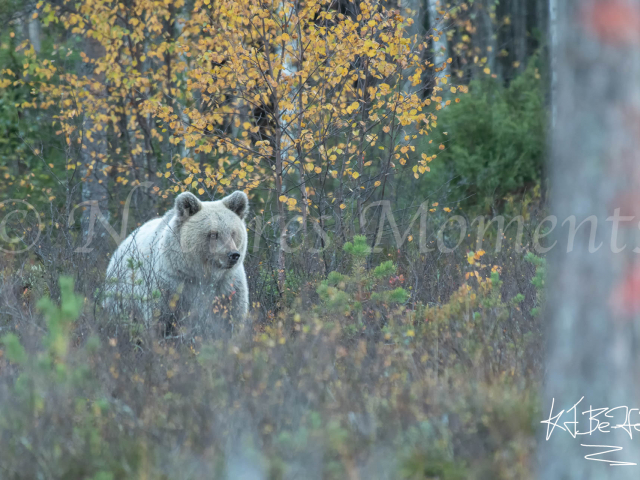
x=393, y=365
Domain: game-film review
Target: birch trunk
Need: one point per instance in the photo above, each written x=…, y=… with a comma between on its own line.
x=94, y=147
x=553, y=57
x=593, y=335
x=34, y=34
x=440, y=52
x=519, y=9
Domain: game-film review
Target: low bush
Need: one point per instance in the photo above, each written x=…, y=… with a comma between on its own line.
x=494, y=141
x=367, y=383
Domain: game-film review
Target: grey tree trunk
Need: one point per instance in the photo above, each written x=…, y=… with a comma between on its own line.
x=34, y=34
x=519, y=12
x=553, y=57
x=487, y=34
x=94, y=147
x=593, y=333
x=438, y=26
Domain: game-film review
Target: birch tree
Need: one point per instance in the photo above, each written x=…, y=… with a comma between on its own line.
x=553, y=42
x=594, y=305
x=440, y=51
x=93, y=147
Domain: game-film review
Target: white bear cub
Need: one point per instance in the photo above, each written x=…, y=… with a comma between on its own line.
x=188, y=263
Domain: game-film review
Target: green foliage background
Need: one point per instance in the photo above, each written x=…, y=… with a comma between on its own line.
x=495, y=141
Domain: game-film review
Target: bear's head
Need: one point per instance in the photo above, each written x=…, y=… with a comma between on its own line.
x=212, y=235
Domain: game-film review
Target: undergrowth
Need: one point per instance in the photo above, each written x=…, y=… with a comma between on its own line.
x=367, y=382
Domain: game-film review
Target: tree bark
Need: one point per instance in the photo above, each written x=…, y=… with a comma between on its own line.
x=593, y=333
x=94, y=144
x=34, y=34
x=438, y=30
x=519, y=9
x=553, y=59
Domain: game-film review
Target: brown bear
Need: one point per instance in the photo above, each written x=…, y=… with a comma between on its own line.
x=187, y=263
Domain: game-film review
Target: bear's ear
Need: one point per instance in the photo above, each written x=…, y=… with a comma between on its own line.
x=238, y=203
x=187, y=205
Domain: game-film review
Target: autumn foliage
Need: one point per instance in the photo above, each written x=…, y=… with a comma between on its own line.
x=268, y=90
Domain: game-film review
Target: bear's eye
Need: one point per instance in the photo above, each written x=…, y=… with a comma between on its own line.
x=213, y=235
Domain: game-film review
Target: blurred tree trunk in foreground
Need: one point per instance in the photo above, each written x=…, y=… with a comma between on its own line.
x=594, y=293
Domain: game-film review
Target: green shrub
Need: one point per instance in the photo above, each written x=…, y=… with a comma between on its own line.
x=362, y=288
x=494, y=140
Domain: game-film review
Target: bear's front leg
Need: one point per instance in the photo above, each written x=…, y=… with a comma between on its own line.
x=238, y=295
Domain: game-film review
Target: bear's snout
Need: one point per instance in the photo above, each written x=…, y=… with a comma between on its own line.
x=233, y=257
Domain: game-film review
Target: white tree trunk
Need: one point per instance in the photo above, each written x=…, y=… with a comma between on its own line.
x=34, y=34
x=593, y=334
x=438, y=27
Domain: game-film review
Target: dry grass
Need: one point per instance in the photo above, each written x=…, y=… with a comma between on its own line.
x=443, y=385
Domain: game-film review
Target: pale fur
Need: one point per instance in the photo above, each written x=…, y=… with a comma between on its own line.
x=177, y=257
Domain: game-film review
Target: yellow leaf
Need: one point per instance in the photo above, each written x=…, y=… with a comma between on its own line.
x=487, y=70
x=342, y=206
x=292, y=202
x=377, y=184
x=282, y=198
x=201, y=191
x=355, y=175
x=470, y=258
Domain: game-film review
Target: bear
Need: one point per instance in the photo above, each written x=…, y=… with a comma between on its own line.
x=188, y=264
